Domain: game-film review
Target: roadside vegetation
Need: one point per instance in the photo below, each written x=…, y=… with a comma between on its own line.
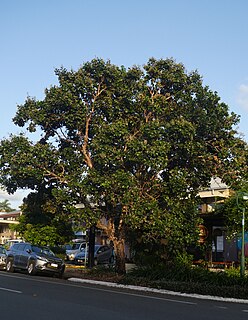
x=187, y=279
x=177, y=277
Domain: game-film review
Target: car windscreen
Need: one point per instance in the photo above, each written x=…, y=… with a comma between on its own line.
x=76, y=246
x=95, y=249
x=43, y=250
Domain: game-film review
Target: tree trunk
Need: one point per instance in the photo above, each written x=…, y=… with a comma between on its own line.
x=116, y=234
x=91, y=249
x=119, y=247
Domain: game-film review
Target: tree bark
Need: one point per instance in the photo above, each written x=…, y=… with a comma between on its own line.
x=116, y=235
x=119, y=247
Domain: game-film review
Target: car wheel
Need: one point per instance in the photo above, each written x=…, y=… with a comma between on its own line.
x=31, y=268
x=61, y=273
x=111, y=260
x=9, y=266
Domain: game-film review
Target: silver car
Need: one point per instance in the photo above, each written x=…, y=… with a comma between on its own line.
x=76, y=248
x=3, y=258
x=33, y=259
x=103, y=254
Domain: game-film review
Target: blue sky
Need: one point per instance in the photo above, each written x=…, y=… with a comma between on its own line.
x=38, y=36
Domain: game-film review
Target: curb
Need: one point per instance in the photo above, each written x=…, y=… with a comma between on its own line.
x=161, y=291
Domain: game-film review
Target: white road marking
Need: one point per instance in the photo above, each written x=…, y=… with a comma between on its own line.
x=10, y=290
x=75, y=280
x=141, y=295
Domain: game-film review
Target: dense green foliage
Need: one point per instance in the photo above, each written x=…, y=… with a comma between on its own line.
x=188, y=279
x=177, y=278
x=133, y=145
x=232, y=211
x=43, y=221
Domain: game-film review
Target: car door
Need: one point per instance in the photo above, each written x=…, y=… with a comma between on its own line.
x=108, y=253
x=18, y=254
x=102, y=254
x=14, y=253
x=24, y=255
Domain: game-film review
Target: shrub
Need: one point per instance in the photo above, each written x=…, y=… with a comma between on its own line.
x=180, y=272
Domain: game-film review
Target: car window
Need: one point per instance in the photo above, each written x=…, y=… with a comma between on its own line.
x=43, y=250
x=47, y=251
x=36, y=249
x=75, y=246
x=67, y=246
x=2, y=250
x=15, y=246
x=21, y=246
x=27, y=247
x=98, y=249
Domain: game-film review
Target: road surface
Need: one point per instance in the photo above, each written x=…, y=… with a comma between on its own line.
x=26, y=297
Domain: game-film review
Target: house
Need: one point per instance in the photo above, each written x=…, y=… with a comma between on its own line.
x=6, y=220
x=213, y=230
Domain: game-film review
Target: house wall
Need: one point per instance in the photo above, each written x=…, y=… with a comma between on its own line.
x=6, y=220
x=223, y=249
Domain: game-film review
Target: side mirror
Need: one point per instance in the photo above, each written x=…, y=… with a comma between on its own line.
x=28, y=250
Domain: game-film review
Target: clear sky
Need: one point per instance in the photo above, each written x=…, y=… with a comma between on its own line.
x=38, y=36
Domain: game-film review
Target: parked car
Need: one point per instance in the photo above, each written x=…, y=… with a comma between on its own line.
x=2, y=257
x=66, y=246
x=102, y=254
x=76, y=248
x=9, y=243
x=33, y=259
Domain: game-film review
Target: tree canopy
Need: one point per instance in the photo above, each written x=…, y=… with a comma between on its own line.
x=232, y=210
x=138, y=142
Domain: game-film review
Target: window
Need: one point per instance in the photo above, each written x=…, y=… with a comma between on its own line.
x=21, y=246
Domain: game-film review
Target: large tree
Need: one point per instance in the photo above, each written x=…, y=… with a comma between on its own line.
x=133, y=145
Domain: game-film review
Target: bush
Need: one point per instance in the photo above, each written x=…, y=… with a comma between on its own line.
x=59, y=252
x=184, y=278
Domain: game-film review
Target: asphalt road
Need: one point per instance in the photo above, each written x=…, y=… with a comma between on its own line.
x=26, y=297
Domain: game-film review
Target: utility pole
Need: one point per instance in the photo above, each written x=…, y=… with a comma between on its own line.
x=91, y=247
x=242, y=259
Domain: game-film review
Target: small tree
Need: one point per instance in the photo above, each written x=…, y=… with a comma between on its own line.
x=42, y=235
x=5, y=206
x=42, y=215
x=232, y=211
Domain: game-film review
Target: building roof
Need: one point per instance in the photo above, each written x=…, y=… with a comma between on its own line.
x=9, y=215
x=216, y=183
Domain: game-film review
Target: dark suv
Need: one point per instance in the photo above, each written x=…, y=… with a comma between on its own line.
x=33, y=259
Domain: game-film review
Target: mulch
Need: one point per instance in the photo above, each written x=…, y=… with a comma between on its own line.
x=82, y=273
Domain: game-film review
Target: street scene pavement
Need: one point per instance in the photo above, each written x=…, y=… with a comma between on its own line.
x=24, y=297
